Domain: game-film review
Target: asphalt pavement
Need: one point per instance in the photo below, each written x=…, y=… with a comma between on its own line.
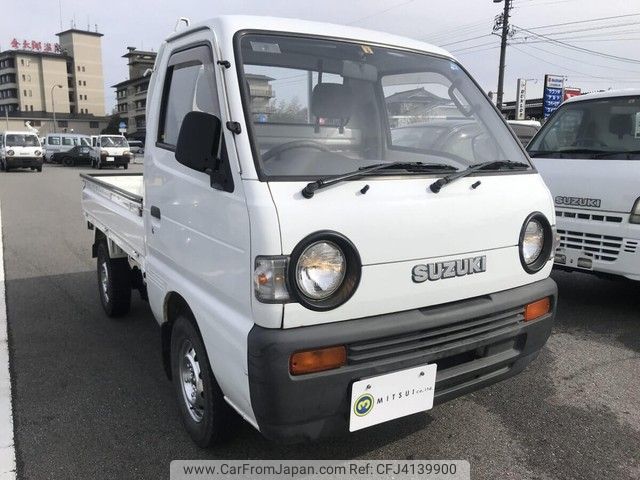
x=91, y=399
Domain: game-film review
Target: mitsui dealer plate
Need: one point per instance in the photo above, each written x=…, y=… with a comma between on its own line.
x=394, y=395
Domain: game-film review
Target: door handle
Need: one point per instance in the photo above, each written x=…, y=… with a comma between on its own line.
x=155, y=212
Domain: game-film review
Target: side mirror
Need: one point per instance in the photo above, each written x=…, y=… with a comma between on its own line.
x=198, y=140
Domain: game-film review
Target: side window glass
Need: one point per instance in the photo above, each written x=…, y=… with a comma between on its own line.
x=66, y=141
x=54, y=140
x=189, y=86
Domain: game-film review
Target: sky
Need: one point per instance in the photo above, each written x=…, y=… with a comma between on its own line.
x=460, y=26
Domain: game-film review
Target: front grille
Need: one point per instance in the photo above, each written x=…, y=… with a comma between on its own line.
x=437, y=340
x=595, y=217
x=598, y=247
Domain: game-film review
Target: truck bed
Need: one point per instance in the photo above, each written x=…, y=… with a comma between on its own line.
x=113, y=203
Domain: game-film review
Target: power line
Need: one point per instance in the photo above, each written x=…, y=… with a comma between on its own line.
x=582, y=49
x=587, y=21
x=375, y=14
x=465, y=40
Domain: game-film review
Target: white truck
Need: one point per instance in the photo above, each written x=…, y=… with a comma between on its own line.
x=20, y=150
x=588, y=152
x=110, y=151
x=306, y=272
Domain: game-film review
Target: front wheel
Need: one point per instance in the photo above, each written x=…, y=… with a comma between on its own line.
x=126, y=166
x=68, y=162
x=114, y=282
x=206, y=416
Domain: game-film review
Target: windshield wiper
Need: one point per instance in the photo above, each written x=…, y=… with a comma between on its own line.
x=620, y=152
x=310, y=189
x=560, y=153
x=438, y=184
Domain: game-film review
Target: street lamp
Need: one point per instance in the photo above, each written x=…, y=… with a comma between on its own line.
x=53, y=105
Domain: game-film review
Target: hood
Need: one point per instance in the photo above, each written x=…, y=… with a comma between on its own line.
x=400, y=224
x=607, y=185
x=400, y=219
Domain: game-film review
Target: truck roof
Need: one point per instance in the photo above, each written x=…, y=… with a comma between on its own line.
x=19, y=132
x=229, y=25
x=625, y=92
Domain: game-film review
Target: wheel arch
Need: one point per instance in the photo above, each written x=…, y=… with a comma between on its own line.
x=174, y=305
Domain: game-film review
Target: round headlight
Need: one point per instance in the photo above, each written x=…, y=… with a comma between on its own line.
x=320, y=270
x=10, y=153
x=533, y=241
x=536, y=242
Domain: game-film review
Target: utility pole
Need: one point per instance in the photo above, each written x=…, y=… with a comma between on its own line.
x=503, y=50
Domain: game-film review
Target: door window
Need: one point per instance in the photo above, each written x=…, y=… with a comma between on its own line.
x=189, y=86
x=54, y=140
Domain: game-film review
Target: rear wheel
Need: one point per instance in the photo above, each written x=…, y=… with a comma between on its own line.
x=114, y=282
x=68, y=162
x=126, y=166
x=206, y=416
x=39, y=169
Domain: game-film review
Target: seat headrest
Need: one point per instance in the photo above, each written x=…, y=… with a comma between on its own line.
x=332, y=100
x=620, y=124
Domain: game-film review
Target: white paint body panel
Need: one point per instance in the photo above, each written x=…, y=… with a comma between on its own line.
x=616, y=183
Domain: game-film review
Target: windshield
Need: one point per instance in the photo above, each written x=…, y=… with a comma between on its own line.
x=113, y=142
x=592, y=129
x=16, y=140
x=323, y=107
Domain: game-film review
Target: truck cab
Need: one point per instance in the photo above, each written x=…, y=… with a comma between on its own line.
x=110, y=151
x=20, y=150
x=308, y=273
x=588, y=152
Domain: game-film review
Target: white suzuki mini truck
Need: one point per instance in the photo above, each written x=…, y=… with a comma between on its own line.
x=110, y=151
x=307, y=272
x=588, y=152
x=20, y=150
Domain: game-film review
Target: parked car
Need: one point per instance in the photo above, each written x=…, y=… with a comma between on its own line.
x=303, y=267
x=62, y=142
x=20, y=150
x=588, y=152
x=136, y=147
x=78, y=155
x=110, y=151
x=525, y=130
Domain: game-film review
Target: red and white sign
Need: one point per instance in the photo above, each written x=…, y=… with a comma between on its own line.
x=34, y=46
x=571, y=92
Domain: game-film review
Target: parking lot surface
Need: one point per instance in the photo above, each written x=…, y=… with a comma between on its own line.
x=91, y=399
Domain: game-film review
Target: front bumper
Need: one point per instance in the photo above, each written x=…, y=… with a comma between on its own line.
x=23, y=162
x=117, y=160
x=475, y=342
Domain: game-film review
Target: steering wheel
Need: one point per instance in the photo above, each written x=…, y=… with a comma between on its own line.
x=278, y=149
x=589, y=142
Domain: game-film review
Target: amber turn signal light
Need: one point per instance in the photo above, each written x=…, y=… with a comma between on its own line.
x=310, y=361
x=537, y=309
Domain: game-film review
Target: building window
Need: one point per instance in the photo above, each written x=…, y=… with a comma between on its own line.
x=94, y=125
x=30, y=93
x=31, y=108
x=78, y=67
x=22, y=61
x=24, y=77
x=25, y=93
x=63, y=123
x=83, y=68
x=36, y=123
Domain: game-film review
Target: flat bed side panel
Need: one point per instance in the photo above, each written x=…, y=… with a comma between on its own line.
x=116, y=211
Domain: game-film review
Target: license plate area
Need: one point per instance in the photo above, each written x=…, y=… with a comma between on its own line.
x=386, y=397
x=110, y=159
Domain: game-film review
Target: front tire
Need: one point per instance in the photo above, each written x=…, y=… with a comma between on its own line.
x=68, y=162
x=126, y=166
x=114, y=282
x=205, y=415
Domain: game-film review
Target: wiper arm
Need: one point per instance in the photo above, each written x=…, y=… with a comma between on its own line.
x=310, y=189
x=438, y=184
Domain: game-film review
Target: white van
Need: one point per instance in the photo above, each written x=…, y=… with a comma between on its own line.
x=110, y=151
x=307, y=272
x=63, y=142
x=20, y=150
x=588, y=152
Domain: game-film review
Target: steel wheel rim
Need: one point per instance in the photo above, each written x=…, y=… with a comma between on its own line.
x=190, y=379
x=104, y=281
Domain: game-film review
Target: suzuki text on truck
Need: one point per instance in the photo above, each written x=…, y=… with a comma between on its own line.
x=589, y=156
x=306, y=271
